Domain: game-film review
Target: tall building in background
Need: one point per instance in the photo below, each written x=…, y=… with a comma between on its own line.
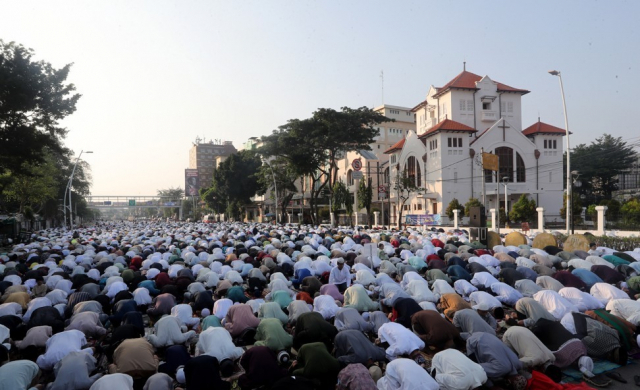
x=205, y=156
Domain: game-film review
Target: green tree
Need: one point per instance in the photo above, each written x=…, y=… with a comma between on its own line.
x=315, y=145
x=234, y=183
x=171, y=195
x=472, y=202
x=631, y=211
x=576, y=207
x=404, y=187
x=365, y=196
x=341, y=198
x=285, y=176
x=524, y=210
x=33, y=186
x=613, y=208
x=33, y=100
x=599, y=165
x=454, y=205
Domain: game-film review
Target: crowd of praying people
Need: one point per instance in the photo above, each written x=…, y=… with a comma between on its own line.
x=195, y=306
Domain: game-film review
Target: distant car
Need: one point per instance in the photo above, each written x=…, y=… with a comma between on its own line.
x=209, y=218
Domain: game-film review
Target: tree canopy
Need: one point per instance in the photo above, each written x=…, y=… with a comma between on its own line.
x=34, y=98
x=599, y=165
x=314, y=145
x=234, y=183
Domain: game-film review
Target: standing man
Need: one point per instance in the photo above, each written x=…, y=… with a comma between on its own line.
x=340, y=276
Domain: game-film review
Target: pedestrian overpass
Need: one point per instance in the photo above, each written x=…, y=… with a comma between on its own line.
x=113, y=202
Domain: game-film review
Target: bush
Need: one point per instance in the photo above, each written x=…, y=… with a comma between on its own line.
x=592, y=213
x=613, y=208
x=631, y=211
x=473, y=202
x=454, y=205
x=524, y=210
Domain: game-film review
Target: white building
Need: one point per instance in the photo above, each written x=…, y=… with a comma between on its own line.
x=375, y=163
x=458, y=121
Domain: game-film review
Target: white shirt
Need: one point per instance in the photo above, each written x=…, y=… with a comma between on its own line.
x=338, y=276
x=554, y=303
x=463, y=287
x=625, y=308
x=484, y=279
x=480, y=297
x=582, y=300
x=325, y=305
x=217, y=342
x=405, y=374
x=60, y=345
x=419, y=290
x=505, y=293
x=401, y=340
x=605, y=292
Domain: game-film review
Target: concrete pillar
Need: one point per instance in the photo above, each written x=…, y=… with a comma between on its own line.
x=375, y=217
x=493, y=219
x=332, y=217
x=601, y=211
x=299, y=217
x=540, y=211
x=455, y=218
x=289, y=217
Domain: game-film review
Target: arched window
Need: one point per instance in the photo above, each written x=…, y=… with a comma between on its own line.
x=410, y=168
x=521, y=175
x=349, y=177
x=386, y=176
x=418, y=175
x=505, y=162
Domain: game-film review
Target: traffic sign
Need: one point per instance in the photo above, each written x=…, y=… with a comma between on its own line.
x=356, y=175
x=382, y=195
x=132, y=202
x=382, y=188
x=356, y=164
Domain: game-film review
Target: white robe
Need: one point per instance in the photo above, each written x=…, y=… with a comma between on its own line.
x=464, y=288
x=60, y=345
x=605, y=292
x=582, y=300
x=325, y=305
x=455, y=371
x=554, y=303
x=141, y=296
x=168, y=331
x=401, y=340
x=625, y=308
x=405, y=374
x=419, y=290
x=217, y=342
x=112, y=382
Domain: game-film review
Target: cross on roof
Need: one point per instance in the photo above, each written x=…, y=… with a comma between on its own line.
x=504, y=127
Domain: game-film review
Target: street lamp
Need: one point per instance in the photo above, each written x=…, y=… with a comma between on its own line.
x=566, y=125
x=506, y=200
x=68, y=190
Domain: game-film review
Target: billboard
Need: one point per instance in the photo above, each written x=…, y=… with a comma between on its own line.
x=191, y=182
x=422, y=219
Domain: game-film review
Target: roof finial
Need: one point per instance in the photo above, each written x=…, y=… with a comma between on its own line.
x=464, y=66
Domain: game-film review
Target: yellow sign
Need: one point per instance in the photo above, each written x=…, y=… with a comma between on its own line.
x=490, y=162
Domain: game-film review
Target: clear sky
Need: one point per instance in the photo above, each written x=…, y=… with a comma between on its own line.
x=154, y=75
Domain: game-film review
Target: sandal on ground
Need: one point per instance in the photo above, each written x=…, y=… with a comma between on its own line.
x=596, y=381
x=616, y=376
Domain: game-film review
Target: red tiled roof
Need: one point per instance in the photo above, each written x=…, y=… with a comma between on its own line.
x=397, y=146
x=449, y=125
x=467, y=80
x=543, y=128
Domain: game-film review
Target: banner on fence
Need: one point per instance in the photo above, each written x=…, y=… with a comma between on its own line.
x=422, y=219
